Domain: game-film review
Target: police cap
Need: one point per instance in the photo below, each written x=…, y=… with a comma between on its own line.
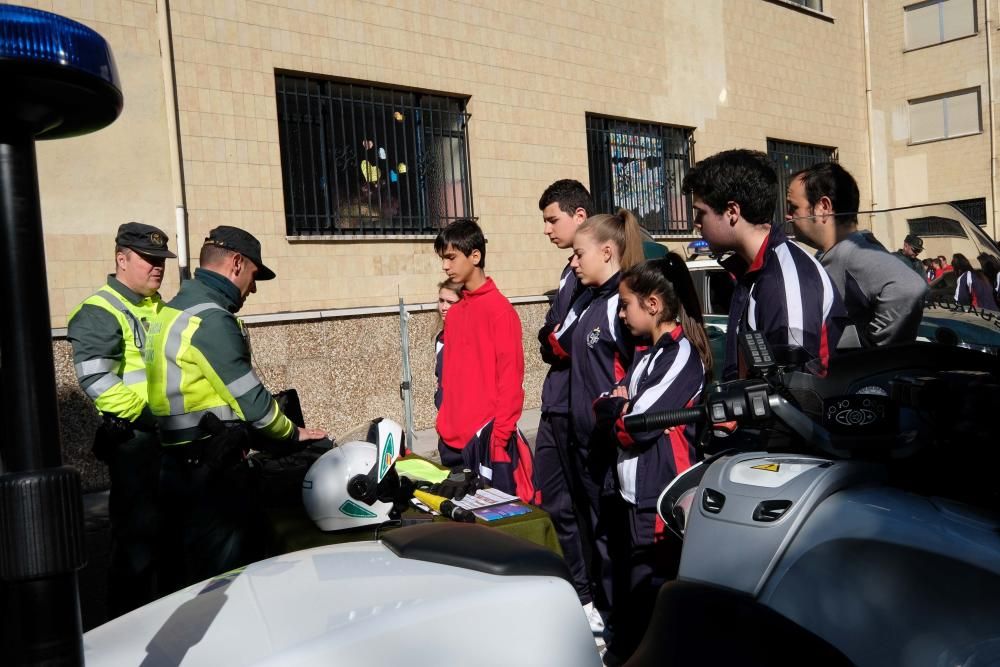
x=915, y=242
x=243, y=242
x=143, y=239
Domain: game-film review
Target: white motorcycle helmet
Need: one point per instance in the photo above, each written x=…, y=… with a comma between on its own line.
x=354, y=484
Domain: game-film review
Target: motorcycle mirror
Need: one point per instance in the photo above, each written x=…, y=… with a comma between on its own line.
x=675, y=502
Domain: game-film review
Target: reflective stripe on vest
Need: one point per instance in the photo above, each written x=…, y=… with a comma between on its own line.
x=138, y=331
x=192, y=419
x=103, y=383
x=92, y=366
x=243, y=385
x=172, y=348
x=268, y=418
x=111, y=372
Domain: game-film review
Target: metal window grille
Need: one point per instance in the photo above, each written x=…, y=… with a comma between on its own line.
x=790, y=157
x=935, y=225
x=640, y=166
x=973, y=209
x=359, y=159
x=811, y=4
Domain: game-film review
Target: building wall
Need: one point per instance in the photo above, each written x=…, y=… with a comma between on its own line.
x=731, y=70
x=944, y=170
x=90, y=185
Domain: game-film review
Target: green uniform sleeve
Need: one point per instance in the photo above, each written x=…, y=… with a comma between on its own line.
x=227, y=358
x=98, y=358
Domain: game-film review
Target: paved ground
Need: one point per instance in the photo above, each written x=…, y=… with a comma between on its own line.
x=93, y=577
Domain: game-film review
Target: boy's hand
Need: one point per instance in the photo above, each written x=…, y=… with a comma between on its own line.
x=620, y=392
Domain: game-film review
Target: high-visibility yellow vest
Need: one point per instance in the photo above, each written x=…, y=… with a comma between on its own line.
x=183, y=385
x=120, y=381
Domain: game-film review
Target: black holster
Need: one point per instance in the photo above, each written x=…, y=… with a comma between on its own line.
x=227, y=445
x=112, y=432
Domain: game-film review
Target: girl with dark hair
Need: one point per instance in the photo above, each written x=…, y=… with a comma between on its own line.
x=973, y=288
x=449, y=293
x=658, y=302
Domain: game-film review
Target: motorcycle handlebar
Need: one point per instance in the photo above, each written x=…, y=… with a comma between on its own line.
x=656, y=421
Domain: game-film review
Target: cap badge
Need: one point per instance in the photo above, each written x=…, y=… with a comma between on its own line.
x=156, y=239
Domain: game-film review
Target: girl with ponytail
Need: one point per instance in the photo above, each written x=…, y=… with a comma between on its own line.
x=658, y=303
x=599, y=348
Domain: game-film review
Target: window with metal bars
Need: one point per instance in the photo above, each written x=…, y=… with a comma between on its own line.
x=359, y=159
x=973, y=209
x=640, y=166
x=790, y=157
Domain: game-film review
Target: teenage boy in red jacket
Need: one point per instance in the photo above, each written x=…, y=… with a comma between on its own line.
x=482, y=370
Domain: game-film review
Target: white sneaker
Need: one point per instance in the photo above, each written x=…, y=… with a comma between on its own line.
x=595, y=620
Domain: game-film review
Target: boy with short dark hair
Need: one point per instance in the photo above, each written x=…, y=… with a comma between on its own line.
x=780, y=291
x=564, y=205
x=482, y=370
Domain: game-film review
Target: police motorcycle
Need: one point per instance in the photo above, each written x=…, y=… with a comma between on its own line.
x=864, y=529
x=424, y=594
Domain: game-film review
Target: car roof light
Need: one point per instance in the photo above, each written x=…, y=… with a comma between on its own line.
x=59, y=74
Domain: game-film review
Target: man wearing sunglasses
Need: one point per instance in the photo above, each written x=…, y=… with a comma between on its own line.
x=108, y=333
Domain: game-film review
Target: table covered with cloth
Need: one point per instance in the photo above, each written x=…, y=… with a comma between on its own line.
x=290, y=529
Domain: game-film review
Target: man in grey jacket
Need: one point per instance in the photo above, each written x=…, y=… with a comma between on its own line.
x=884, y=298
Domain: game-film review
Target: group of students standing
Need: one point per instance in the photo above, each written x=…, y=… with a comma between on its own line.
x=623, y=335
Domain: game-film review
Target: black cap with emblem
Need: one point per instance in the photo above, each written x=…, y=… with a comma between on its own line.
x=243, y=242
x=915, y=242
x=143, y=239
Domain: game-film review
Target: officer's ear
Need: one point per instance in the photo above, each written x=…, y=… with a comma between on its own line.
x=121, y=258
x=239, y=263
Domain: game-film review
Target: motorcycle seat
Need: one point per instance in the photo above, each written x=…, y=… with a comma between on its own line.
x=477, y=548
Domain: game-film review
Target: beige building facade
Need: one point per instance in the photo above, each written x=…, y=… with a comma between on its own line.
x=932, y=96
x=343, y=133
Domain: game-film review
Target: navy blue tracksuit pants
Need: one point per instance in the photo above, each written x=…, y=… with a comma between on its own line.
x=645, y=556
x=553, y=467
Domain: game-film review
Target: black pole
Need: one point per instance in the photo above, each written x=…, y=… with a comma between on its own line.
x=41, y=509
x=29, y=388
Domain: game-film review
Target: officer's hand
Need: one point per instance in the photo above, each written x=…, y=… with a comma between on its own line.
x=460, y=482
x=310, y=434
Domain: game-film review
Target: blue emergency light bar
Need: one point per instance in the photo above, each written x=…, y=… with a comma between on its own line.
x=60, y=74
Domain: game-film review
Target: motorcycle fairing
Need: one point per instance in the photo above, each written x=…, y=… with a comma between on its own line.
x=757, y=544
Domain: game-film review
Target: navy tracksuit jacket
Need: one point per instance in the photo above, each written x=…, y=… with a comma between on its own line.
x=667, y=376
x=789, y=297
x=600, y=347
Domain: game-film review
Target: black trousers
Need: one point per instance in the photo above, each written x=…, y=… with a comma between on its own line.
x=645, y=556
x=553, y=471
x=134, y=469
x=212, y=519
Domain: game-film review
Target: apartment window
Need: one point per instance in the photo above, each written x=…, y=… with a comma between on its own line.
x=934, y=225
x=945, y=116
x=937, y=21
x=360, y=159
x=973, y=209
x=816, y=5
x=640, y=166
x=790, y=157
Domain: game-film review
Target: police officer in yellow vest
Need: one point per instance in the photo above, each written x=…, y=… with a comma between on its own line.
x=209, y=404
x=108, y=332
